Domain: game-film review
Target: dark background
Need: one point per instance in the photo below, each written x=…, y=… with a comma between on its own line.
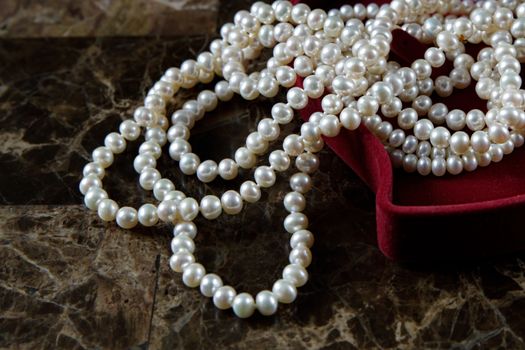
x=70, y=71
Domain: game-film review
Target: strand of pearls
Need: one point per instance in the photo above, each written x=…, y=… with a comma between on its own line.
x=342, y=55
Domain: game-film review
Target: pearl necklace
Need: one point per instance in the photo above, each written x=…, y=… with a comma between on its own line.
x=341, y=55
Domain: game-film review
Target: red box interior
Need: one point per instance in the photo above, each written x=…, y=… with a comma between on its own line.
x=470, y=215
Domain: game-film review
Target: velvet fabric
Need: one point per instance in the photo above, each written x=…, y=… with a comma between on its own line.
x=428, y=218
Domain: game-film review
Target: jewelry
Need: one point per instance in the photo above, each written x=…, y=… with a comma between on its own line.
x=342, y=56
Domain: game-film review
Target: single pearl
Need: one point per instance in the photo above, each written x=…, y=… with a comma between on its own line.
x=294, y=202
x=127, y=217
x=296, y=274
x=438, y=113
x=423, y=128
x=268, y=129
x=129, y=130
x=180, y=260
x=498, y=133
x=143, y=161
x=243, y=305
x=295, y=222
x=189, y=163
x=293, y=145
x=88, y=182
x=93, y=169
x=301, y=255
x=285, y=291
x=211, y=207
x=297, y=98
x=250, y=192
x=231, y=202
x=148, y=178
x=456, y=119
x=210, y=283
x=115, y=142
x=475, y=120
x=256, y=143
x=107, y=209
x=147, y=215
x=228, y=169
x=264, y=176
x=187, y=228
x=279, y=160
x=93, y=197
x=350, y=118
x=330, y=125
x=439, y=137
x=103, y=156
x=245, y=158
x=167, y=210
x=302, y=237
x=207, y=171
x=301, y=182
x=439, y=166
x=266, y=302
x=152, y=148
x=424, y=166
x=454, y=165
x=182, y=242
x=192, y=275
x=188, y=209
x=407, y=118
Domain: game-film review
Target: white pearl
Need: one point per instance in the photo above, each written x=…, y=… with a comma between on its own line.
x=243, y=305
x=103, y=156
x=279, y=160
x=266, y=302
x=460, y=142
x=498, y=133
x=143, y=161
x=294, y=202
x=245, y=158
x=93, y=196
x=157, y=135
x=188, y=209
x=115, y=142
x=189, y=163
x=180, y=260
x=127, y=217
x=407, y=118
x=454, y=165
x=301, y=182
x=302, y=237
x=456, y=119
x=424, y=166
x=297, y=98
x=228, y=169
x=147, y=215
x=107, y=209
x=307, y=162
x=88, y=182
x=250, y=192
x=301, y=255
x=152, y=148
x=207, y=171
x=231, y=202
x=93, y=169
x=178, y=131
x=423, y=128
x=264, y=176
x=439, y=166
x=129, y=130
x=192, y=274
x=475, y=120
x=167, y=210
x=285, y=291
x=295, y=274
x=350, y=118
x=148, y=178
x=178, y=148
x=182, y=242
x=210, y=283
x=187, y=228
x=330, y=125
x=295, y=222
x=439, y=137
x=256, y=143
x=438, y=113
x=210, y=207
x=293, y=145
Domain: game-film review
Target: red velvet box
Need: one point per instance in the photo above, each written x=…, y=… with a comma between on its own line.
x=472, y=215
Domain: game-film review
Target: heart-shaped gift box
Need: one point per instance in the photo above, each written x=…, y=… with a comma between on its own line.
x=427, y=218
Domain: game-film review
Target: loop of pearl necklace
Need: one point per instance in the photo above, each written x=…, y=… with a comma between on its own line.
x=342, y=55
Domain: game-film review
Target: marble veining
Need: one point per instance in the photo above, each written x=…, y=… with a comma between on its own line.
x=70, y=281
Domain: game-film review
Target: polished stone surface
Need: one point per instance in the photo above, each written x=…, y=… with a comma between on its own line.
x=69, y=280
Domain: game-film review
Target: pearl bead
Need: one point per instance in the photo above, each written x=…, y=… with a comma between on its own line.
x=285, y=291
x=301, y=182
x=295, y=274
x=245, y=158
x=147, y=215
x=115, y=143
x=250, y=192
x=103, y=156
x=295, y=222
x=189, y=163
x=456, y=119
x=460, y=142
x=210, y=283
x=256, y=143
x=423, y=128
x=301, y=256
x=181, y=260
x=192, y=275
x=266, y=302
x=187, y=228
x=129, y=130
x=231, y=202
x=88, y=182
x=297, y=98
x=439, y=166
x=93, y=169
x=127, y=217
x=93, y=196
x=167, y=210
x=439, y=137
x=188, y=209
x=107, y=209
x=294, y=202
x=148, y=178
x=302, y=237
x=143, y=161
x=182, y=242
x=211, y=207
x=264, y=176
x=243, y=305
x=207, y=171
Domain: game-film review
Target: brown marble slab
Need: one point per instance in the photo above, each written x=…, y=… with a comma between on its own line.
x=69, y=281
x=73, y=18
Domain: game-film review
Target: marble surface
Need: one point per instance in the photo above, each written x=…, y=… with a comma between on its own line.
x=70, y=281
